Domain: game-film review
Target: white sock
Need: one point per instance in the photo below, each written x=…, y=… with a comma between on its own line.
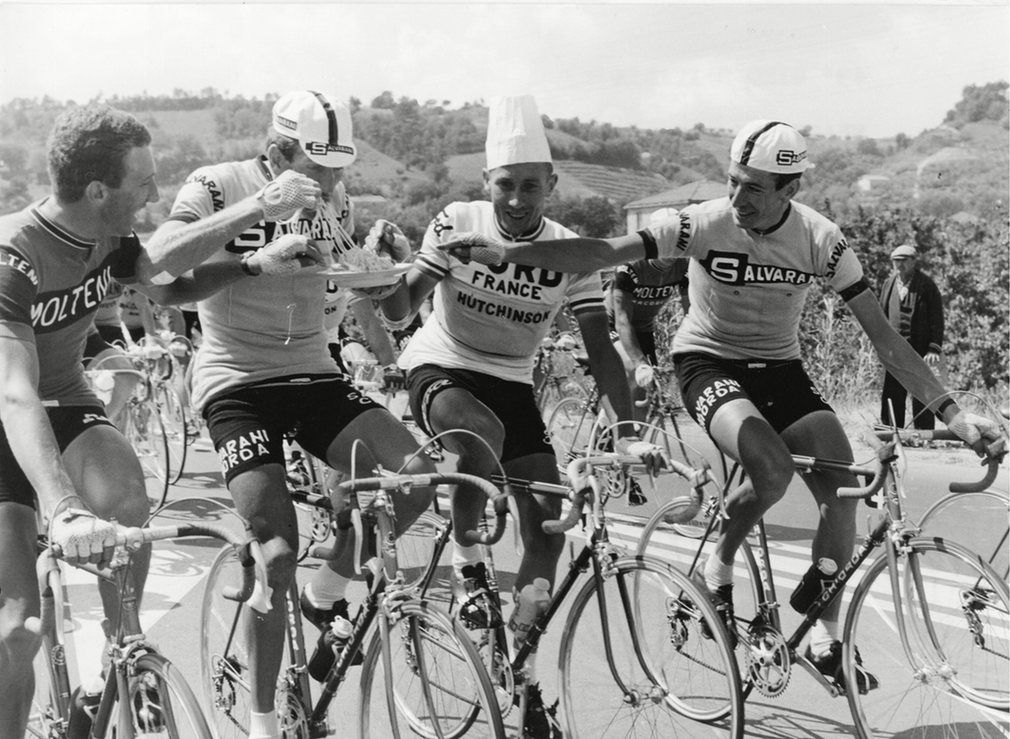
x=822, y=634
x=264, y=725
x=717, y=573
x=326, y=587
x=462, y=556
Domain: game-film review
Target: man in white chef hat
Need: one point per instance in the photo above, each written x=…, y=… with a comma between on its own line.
x=470, y=365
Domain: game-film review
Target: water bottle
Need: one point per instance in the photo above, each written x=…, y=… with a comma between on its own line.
x=329, y=645
x=531, y=602
x=813, y=582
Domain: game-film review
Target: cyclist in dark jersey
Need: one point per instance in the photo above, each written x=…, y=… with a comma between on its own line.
x=754, y=255
x=635, y=298
x=58, y=259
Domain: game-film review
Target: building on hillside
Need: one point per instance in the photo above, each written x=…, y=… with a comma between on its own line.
x=640, y=212
x=870, y=182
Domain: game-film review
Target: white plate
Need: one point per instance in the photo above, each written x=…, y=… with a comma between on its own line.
x=378, y=278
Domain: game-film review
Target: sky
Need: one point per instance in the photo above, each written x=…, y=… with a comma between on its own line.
x=843, y=69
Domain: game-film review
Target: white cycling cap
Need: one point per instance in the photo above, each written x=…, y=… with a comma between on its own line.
x=905, y=251
x=770, y=146
x=321, y=125
x=515, y=133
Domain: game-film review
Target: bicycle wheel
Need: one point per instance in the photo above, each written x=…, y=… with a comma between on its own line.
x=433, y=679
x=569, y=429
x=950, y=679
x=980, y=518
x=175, y=423
x=633, y=661
x=225, y=666
x=315, y=523
x=150, y=443
x=415, y=550
x=161, y=703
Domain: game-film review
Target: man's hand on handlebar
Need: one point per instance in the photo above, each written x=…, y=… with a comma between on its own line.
x=82, y=537
x=651, y=455
x=974, y=430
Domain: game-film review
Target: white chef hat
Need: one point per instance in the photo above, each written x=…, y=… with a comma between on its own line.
x=515, y=133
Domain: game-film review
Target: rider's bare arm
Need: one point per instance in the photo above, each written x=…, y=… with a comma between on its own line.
x=911, y=370
x=376, y=337
x=27, y=425
x=608, y=370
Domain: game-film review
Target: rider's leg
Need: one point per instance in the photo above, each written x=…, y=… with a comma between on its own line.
x=820, y=434
x=19, y=604
x=384, y=441
x=108, y=476
x=742, y=432
x=456, y=408
x=541, y=551
x=261, y=499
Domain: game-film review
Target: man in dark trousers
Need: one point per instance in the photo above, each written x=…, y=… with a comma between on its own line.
x=912, y=304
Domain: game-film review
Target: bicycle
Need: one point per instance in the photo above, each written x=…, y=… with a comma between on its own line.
x=559, y=372
x=932, y=615
x=413, y=639
x=156, y=421
x=638, y=616
x=144, y=693
x=988, y=510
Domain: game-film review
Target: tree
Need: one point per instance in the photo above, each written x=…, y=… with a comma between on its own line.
x=385, y=101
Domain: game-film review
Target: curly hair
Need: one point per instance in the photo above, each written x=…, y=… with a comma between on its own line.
x=89, y=143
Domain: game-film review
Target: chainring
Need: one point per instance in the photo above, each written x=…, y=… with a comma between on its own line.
x=767, y=660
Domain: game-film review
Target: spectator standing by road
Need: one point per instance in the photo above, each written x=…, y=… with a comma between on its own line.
x=914, y=308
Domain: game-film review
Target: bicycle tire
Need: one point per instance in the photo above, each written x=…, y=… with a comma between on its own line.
x=176, y=425
x=663, y=611
x=570, y=429
x=147, y=437
x=932, y=679
x=415, y=551
x=987, y=511
x=433, y=677
x=161, y=703
x=315, y=523
x=224, y=659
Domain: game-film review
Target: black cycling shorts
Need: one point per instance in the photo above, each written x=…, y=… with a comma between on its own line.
x=512, y=403
x=68, y=423
x=780, y=389
x=247, y=424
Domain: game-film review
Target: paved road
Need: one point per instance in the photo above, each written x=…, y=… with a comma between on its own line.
x=172, y=600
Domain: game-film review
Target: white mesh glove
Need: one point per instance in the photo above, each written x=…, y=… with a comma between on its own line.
x=284, y=256
x=387, y=238
x=83, y=537
x=471, y=246
x=651, y=455
x=973, y=429
x=285, y=194
x=644, y=374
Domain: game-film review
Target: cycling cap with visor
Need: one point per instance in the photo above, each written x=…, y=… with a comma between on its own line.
x=770, y=146
x=320, y=124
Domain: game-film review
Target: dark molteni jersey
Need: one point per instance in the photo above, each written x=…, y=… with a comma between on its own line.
x=649, y=284
x=51, y=283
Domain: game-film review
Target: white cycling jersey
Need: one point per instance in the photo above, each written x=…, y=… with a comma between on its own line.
x=747, y=289
x=491, y=319
x=270, y=326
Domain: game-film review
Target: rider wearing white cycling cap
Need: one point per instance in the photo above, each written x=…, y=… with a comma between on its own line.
x=754, y=254
x=264, y=368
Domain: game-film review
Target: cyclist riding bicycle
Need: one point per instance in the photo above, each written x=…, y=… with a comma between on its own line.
x=263, y=368
x=635, y=298
x=754, y=255
x=471, y=363
x=58, y=449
